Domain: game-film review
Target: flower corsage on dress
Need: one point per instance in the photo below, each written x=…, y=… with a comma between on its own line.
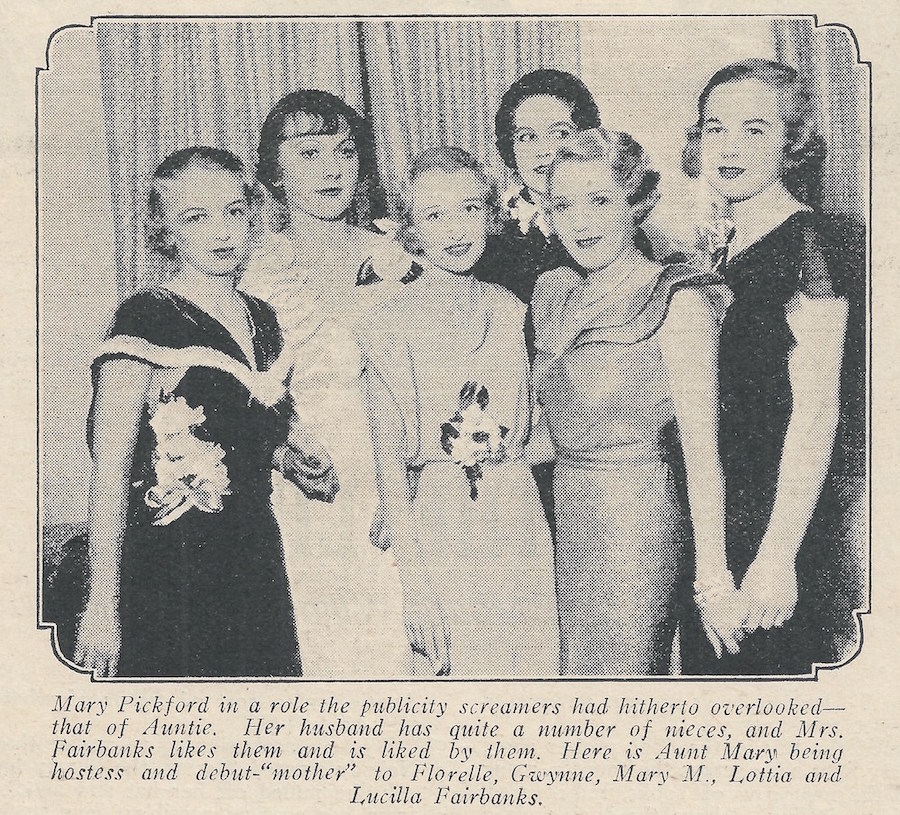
x=190, y=472
x=472, y=437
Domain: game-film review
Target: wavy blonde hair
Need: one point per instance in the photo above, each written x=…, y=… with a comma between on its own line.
x=629, y=162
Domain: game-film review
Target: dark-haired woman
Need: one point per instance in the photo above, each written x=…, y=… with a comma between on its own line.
x=186, y=573
x=322, y=272
x=789, y=362
x=537, y=116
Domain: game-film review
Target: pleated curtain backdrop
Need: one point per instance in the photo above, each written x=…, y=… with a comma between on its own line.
x=173, y=84
x=827, y=58
x=421, y=82
x=433, y=82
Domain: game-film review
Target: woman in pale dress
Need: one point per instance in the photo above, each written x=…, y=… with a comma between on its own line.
x=448, y=389
x=321, y=273
x=625, y=352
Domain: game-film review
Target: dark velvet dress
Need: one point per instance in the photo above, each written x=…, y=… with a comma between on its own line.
x=206, y=594
x=819, y=257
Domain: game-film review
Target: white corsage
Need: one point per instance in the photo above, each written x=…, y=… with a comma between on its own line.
x=473, y=437
x=189, y=472
x=525, y=213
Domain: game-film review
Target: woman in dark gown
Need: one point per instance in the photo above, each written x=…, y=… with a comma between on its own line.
x=772, y=598
x=186, y=574
x=818, y=258
x=205, y=595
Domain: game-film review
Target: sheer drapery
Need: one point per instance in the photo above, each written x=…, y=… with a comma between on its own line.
x=172, y=84
x=827, y=58
x=436, y=82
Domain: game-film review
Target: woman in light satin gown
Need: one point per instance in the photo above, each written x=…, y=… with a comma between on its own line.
x=474, y=548
x=625, y=352
x=322, y=273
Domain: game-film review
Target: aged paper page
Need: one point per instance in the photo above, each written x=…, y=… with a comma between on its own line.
x=86, y=123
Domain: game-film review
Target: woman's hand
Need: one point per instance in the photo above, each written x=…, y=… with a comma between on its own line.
x=379, y=531
x=426, y=625
x=310, y=468
x=722, y=613
x=99, y=638
x=769, y=589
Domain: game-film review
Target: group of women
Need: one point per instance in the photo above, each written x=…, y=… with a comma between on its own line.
x=505, y=436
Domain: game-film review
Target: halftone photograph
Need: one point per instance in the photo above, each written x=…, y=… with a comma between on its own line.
x=476, y=348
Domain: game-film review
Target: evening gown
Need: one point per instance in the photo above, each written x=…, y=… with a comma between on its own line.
x=346, y=591
x=207, y=593
x=601, y=381
x=489, y=557
x=820, y=257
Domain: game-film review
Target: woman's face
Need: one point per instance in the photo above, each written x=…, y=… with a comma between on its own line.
x=450, y=218
x=543, y=124
x=319, y=172
x=590, y=212
x=743, y=139
x=207, y=218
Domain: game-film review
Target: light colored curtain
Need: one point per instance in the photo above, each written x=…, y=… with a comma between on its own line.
x=433, y=82
x=827, y=58
x=173, y=84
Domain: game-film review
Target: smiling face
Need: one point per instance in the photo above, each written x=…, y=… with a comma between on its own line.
x=450, y=217
x=543, y=124
x=743, y=139
x=590, y=212
x=319, y=172
x=207, y=218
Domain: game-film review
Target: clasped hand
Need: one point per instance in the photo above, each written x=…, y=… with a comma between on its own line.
x=307, y=464
x=766, y=599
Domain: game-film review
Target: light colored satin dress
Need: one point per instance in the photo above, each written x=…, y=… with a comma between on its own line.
x=490, y=559
x=603, y=387
x=346, y=592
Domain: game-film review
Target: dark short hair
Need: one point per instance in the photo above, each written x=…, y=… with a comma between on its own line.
x=157, y=233
x=543, y=82
x=449, y=160
x=329, y=114
x=804, y=147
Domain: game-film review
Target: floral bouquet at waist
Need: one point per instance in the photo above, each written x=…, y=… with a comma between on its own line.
x=189, y=472
x=473, y=437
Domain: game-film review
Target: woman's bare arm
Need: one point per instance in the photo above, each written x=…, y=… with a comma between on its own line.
x=689, y=341
x=819, y=326
x=122, y=387
x=426, y=623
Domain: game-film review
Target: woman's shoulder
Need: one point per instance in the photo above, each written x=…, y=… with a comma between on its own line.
x=691, y=290
x=833, y=250
x=554, y=285
x=151, y=314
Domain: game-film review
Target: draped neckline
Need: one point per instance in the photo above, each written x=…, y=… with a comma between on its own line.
x=606, y=301
x=206, y=321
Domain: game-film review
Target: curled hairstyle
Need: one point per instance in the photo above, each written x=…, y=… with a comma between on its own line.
x=157, y=233
x=449, y=160
x=543, y=82
x=628, y=161
x=329, y=115
x=804, y=148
